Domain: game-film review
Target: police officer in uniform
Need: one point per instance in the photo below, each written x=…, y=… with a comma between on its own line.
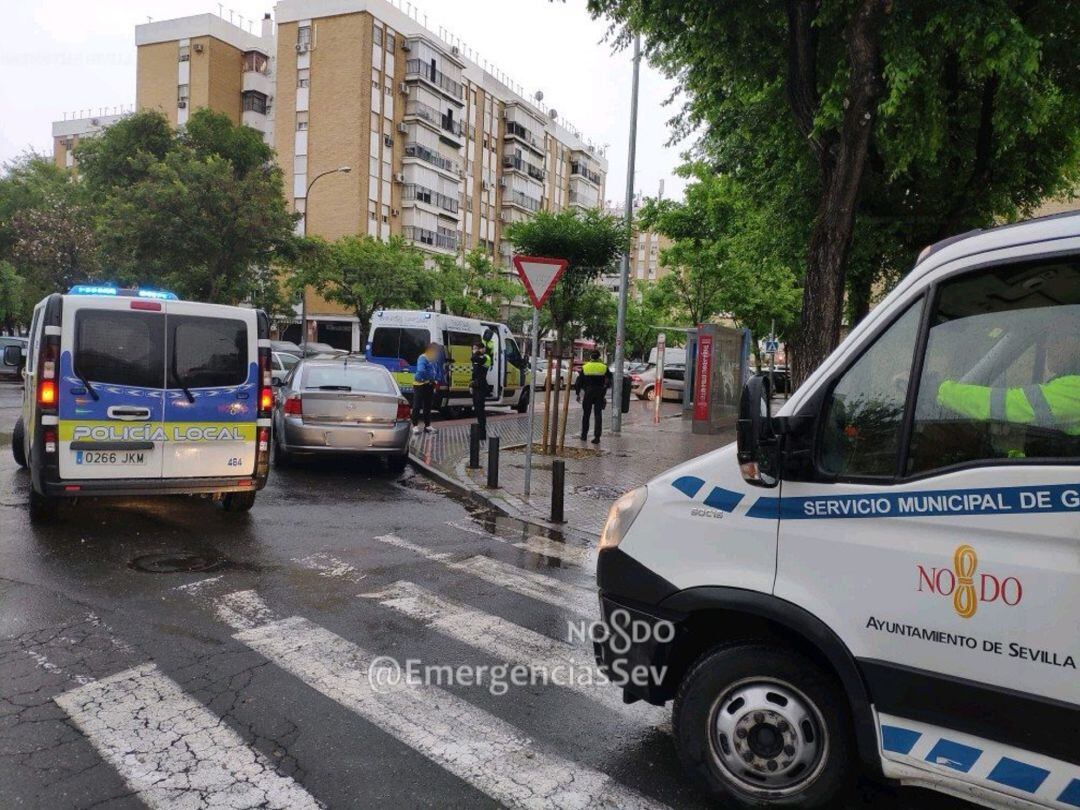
x=478, y=385
x=594, y=381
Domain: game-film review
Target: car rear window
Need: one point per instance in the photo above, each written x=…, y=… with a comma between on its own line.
x=207, y=352
x=353, y=378
x=120, y=347
x=394, y=341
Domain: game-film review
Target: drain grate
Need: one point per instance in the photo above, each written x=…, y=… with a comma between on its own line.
x=177, y=563
x=599, y=491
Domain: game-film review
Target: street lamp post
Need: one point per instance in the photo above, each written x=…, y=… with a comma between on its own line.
x=303, y=232
x=624, y=271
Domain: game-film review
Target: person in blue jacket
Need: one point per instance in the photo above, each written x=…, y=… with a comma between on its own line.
x=426, y=382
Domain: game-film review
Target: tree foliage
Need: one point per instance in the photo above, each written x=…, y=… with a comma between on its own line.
x=875, y=126
x=476, y=287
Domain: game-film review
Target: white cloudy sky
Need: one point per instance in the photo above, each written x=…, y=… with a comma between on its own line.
x=60, y=56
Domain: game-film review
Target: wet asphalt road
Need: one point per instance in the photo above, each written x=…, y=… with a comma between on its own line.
x=239, y=684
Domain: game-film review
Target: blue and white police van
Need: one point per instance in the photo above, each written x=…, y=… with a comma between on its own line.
x=886, y=572
x=133, y=392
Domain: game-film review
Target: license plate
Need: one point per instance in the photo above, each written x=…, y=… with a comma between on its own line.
x=111, y=457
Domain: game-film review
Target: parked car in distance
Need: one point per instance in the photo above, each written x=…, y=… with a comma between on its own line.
x=286, y=346
x=283, y=363
x=324, y=349
x=341, y=407
x=674, y=381
x=11, y=366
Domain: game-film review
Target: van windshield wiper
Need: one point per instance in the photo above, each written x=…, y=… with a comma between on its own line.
x=86, y=384
x=183, y=387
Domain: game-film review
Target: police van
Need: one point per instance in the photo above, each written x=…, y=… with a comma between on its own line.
x=133, y=392
x=885, y=572
x=398, y=337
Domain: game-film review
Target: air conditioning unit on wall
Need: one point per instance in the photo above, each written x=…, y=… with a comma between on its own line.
x=197, y=47
x=399, y=177
x=402, y=127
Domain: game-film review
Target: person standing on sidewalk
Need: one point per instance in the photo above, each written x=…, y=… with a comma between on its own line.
x=425, y=381
x=478, y=385
x=594, y=381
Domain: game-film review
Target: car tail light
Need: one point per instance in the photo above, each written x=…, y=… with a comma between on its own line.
x=47, y=393
x=294, y=405
x=49, y=438
x=404, y=410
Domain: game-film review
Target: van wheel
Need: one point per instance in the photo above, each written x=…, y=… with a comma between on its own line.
x=523, y=403
x=238, y=501
x=43, y=508
x=762, y=726
x=18, y=442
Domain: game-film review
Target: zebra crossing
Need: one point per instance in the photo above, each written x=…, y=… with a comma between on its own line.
x=171, y=750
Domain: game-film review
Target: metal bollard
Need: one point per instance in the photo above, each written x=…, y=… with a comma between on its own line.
x=493, y=463
x=558, y=482
x=474, y=446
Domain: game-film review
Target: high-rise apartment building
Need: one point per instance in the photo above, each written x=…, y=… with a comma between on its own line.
x=645, y=249
x=441, y=150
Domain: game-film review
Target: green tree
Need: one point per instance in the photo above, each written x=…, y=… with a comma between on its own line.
x=475, y=288
x=366, y=274
x=124, y=153
x=648, y=305
x=27, y=183
x=596, y=315
x=875, y=126
x=55, y=245
x=14, y=298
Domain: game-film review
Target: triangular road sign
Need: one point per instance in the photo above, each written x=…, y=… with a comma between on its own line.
x=539, y=276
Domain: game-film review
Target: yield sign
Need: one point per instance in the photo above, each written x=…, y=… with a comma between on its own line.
x=539, y=275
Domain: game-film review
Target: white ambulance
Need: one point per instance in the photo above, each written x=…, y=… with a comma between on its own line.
x=886, y=572
x=133, y=392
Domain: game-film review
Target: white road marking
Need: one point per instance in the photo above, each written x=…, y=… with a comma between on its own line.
x=171, y=750
x=198, y=585
x=330, y=567
x=54, y=669
x=577, y=555
x=243, y=609
x=474, y=745
x=527, y=583
x=511, y=643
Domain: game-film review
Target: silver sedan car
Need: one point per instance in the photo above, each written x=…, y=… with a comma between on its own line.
x=340, y=406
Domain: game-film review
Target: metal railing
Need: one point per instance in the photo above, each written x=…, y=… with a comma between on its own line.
x=522, y=199
x=418, y=150
x=414, y=191
x=417, y=67
x=582, y=170
x=576, y=198
x=533, y=171
x=416, y=108
x=514, y=129
x=443, y=238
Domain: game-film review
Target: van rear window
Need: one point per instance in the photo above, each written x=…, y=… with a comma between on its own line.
x=120, y=347
x=207, y=352
x=394, y=341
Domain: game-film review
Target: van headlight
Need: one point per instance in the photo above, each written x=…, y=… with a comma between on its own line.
x=621, y=516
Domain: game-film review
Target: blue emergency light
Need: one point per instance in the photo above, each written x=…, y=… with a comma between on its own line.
x=107, y=289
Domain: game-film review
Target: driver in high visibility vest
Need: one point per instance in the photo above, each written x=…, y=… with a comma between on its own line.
x=594, y=381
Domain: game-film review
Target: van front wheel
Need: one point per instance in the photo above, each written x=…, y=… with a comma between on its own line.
x=762, y=726
x=238, y=501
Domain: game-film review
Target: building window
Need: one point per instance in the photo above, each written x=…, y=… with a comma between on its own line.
x=378, y=35
x=303, y=37
x=185, y=53
x=254, y=101
x=301, y=120
x=389, y=40
x=253, y=60
x=182, y=93
x=303, y=77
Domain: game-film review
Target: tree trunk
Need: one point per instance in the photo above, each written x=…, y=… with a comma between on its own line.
x=842, y=160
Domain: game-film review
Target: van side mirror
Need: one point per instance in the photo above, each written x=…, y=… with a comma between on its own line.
x=759, y=448
x=13, y=356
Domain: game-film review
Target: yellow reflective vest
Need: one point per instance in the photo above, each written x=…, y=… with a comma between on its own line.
x=1054, y=404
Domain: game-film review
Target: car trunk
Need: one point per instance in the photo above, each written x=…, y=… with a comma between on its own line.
x=329, y=406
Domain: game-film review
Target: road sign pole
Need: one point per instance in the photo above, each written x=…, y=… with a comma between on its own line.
x=532, y=399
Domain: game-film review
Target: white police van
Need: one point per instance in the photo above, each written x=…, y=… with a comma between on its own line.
x=133, y=392
x=887, y=571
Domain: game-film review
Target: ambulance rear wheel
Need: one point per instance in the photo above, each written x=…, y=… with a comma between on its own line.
x=238, y=501
x=523, y=403
x=763, y=726
x=18, y=442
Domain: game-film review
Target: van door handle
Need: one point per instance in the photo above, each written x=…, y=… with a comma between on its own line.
x=127, y=413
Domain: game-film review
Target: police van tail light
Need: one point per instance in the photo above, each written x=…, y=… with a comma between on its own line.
x=294, y=405
x=266, y=391
x=621, y=517
x=404, y=410
x=50, y=355
x=47, y=393
x=49, y=439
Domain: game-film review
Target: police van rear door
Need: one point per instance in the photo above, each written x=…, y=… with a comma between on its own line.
x=112, y=372
x=212, y=396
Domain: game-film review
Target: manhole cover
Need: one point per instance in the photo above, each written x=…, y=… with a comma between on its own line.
x=599, y=491
x=177, y=563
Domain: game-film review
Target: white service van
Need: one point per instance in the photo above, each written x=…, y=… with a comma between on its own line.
x=133, y=392
x=886, y=572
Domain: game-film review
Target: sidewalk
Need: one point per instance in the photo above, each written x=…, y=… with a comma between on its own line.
x=595, y=475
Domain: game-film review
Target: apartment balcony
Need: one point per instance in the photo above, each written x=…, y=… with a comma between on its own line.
x=578, y=169
x=516, y=130
x=449, y=127
x=429, y=155
x=521, y=200
x=523, y=166
x=413, y=192
x=442, y=240
x=585, y=201
x=418, y=69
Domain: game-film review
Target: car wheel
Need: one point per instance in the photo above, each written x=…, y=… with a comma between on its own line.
x=281, y=455
x=18, y=442
x=238, y=501
x=650, y=394
x=523, y=403
x=763, y=726
x=397, y=464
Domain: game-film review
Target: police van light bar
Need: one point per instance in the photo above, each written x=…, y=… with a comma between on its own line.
x=102, y=289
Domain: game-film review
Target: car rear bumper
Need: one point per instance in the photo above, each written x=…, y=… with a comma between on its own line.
x=74, y=488
x=345, y=439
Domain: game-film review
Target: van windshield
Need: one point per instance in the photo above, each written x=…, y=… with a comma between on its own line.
x=120, y=347
x=207, y=352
